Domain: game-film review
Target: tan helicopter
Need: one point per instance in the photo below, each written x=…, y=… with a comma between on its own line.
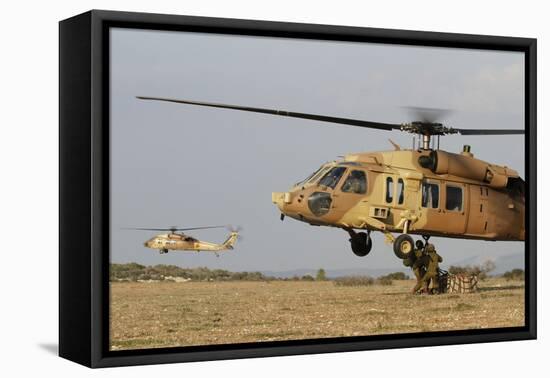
x=174, y=241
x=424, y=190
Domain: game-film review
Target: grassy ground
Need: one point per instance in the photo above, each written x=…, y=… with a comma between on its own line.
x=164, y=314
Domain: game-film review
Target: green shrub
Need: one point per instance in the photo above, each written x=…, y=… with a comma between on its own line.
x=321, y=275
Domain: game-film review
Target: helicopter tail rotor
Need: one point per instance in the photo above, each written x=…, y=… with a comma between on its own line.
x=236, y=230
x=231, y=228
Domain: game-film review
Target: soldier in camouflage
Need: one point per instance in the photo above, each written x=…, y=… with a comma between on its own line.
x=432, y=269
x=417, y=265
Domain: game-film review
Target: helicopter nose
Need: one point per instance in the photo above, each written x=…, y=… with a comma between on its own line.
x=278, y=199
x=282, y=200
x=286, y=203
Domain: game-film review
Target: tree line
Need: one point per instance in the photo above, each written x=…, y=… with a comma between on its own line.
x=134, y=272
x=137, y=272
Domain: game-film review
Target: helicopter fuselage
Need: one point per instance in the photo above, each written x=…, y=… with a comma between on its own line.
x=425, y=192
x=180, y=242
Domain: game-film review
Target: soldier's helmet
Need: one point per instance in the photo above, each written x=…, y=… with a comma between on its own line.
x=419, y=244
x=430, y=248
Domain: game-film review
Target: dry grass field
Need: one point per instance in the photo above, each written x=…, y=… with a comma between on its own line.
x=166, y=314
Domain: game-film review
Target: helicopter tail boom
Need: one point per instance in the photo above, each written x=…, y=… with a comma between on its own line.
x=228, y=244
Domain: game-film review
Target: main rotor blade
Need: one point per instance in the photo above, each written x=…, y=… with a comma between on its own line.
x=172, y=228
x=197, y=228
x=490, y=131
x=284, y=113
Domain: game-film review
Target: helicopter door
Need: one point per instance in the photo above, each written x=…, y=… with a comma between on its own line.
x=350, y=194
x=431, y=207
x=454, y=208
x=477, y=219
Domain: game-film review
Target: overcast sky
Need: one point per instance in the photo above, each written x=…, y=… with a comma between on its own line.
x=192, y=166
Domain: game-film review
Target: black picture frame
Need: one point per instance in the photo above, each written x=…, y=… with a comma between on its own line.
x=84, y=187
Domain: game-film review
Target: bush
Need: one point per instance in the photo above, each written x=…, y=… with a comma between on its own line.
x=384, y=281
x=354, y=281
x=514, y=275
x=395, y=276
x=321, y=275
x=307, y=277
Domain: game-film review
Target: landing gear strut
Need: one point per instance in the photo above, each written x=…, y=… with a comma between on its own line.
x=361, y=243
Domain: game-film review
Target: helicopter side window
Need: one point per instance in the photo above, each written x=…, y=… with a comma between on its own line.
x=332, y=177
x=430, y=195
x=454, y=198
x=400, y=191
x=355, y=183
x=389, y=189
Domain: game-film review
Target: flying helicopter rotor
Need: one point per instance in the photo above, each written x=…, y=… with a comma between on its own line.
x=428, y=115
x=172, y=229
x=236, y=230
x=427, y=127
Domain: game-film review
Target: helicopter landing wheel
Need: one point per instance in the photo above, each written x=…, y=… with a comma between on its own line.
x=361, y=243
x=403, y=246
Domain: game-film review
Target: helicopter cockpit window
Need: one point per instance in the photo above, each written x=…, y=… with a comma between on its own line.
x=430, y=195
x=389, y=189
x=454, y=198
x=355, y=183
x=310, y=177
x=332, y=177
x=315, y=177
x=400, y=191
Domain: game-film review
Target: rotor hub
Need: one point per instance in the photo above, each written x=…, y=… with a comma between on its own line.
x=427, y=128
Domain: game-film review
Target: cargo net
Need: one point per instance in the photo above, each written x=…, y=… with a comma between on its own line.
x=457, y=283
